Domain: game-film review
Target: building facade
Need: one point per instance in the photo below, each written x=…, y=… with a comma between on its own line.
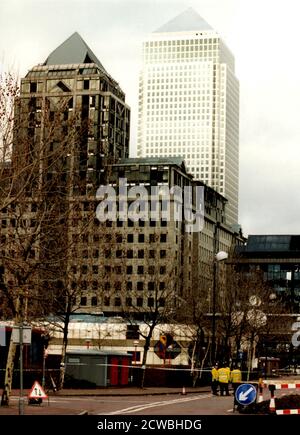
x=277, y=257
x=72, y=91
x=189, y=103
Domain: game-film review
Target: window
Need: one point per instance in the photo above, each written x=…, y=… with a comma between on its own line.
x=106, y=301
x=130, y=253
x=95, y=285
x=141, y=253
x=152, y=238
x=163, y=253
x=118, y=285
x=151, y=286
x=129, y=270
x=119, y=238
x=132, y=332
x=33, y=87
x=83, y=301
x=86, y=84
x=162, y=270
x=163, y=238
x=118, y=270
x=162, y=286
x=107, y=285
x=139, y=302
x=141, y=238
x=129, y=285
x=151, y=270
x=128, y=303
x=94, y=301
x=151, y=253
x=130, y=238
x=150, y=302
x=161, y=302
x=117, y=302
x=140, y=270
x=140, y=285
x=119, y=253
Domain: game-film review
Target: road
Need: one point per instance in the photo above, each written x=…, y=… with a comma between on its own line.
x=165, y=404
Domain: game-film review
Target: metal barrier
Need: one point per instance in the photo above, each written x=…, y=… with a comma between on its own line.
x=281, y=386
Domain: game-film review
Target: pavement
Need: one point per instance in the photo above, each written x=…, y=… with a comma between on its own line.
x=61, y=409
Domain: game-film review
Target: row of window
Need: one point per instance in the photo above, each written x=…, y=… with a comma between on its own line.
x=207, y=40
x=139, y=285
x=118, y=270
x=117, y=301
x=117, y=285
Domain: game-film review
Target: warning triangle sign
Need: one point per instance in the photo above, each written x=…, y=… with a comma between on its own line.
x=37, y=392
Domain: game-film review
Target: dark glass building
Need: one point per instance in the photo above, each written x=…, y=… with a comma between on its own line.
x=278, y=257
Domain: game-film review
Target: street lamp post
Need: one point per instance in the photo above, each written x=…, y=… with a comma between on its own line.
x=136, y=343
x=220, y=256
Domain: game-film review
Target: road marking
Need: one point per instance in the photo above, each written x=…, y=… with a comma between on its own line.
x=138, y=408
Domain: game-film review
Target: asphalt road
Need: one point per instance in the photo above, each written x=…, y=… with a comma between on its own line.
x=166, y=404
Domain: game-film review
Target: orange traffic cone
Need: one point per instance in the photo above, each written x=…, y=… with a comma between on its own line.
x=183, y=391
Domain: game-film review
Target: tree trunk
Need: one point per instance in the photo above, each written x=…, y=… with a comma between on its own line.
x=8, y=373
x=146, y=348
x=10, y=360
x=62, y=368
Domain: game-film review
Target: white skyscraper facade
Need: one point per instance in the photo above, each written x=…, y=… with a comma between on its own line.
x=189, y=104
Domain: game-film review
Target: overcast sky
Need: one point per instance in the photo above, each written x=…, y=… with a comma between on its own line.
x=262, y=34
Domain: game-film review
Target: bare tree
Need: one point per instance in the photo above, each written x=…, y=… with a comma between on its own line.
x=246, y=309
x=37, y=179
x=154, y=301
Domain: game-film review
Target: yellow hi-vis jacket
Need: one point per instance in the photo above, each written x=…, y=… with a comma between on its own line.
x=224, y=375
x=214, y=374
x=236, y=376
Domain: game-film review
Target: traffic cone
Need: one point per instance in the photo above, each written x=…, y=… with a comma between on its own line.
x=183, y=391
x=272, y=407
x=260, y=396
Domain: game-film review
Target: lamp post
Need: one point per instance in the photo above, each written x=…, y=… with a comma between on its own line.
x=220, y=256
x=88, y=339
x=136, y=343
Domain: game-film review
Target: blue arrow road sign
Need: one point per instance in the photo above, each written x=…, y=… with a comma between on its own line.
x=245, y=394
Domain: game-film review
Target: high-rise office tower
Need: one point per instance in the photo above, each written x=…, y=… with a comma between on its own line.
x=73, y=84
x=189, y=103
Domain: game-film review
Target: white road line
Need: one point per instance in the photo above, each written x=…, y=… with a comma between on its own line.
x=138, y=408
